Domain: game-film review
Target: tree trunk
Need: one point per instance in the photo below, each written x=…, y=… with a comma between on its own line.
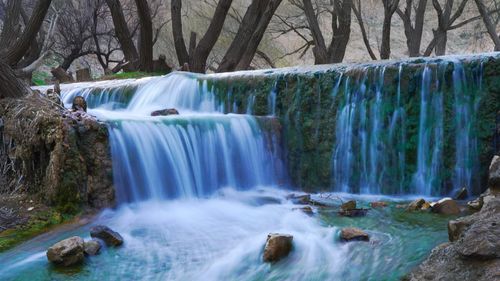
x=385, y=46
x=10, y=28
x=21, y=46
x=10, y=86
x=413, y=32
x=489, y=24
x=319, y=50
x=244, y=34
x=199, y=60
x=341, y=32
x=257, y=36
x=180, y=45
x=60, y=74
x=441, y=40
x=123, y=33
x=146, y=40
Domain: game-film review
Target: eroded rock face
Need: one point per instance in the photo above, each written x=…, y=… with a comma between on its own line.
x=278, y=246
x=110, y=237
x=353, y=234
x=494, y=174
x=67, y=252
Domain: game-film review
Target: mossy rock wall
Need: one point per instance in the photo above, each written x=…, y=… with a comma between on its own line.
x=308, y=104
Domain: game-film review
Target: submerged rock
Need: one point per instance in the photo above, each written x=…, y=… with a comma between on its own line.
x=446, y=206
x=67, y=252
x=92, y=247
x=110, y=237
x=353, y=212
x=299, y=199
x=278, y=246
x=165, y=112
x=353, y=234
x=378, y=204
x=461, y=194
x=306, y=209
x=349, y=205
x=416, y=205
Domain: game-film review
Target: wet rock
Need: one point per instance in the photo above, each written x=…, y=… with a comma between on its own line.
x=378, y=204
x=110, y=237
x=446, y=206
x=306, y=209
x=494, y=174
x=79, y=104
x=278, y=246
x=165, y=112
x=349, y=205
x=481, y=240
x=67, y=252
x=353, y=212
x=353, y=234
x=416, y=205
x=476, y=204
x=300, y=199
x=92, y=247
x=426, y=206
x=461, y=194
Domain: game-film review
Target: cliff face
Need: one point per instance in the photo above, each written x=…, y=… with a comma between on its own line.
x=383, y=124
x=61, y=156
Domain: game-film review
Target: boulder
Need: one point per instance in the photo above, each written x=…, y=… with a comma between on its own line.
x=278, y=246
x=300, y=199
x=165, y=112
x=79, y=104
x=349, y=205
x=426, y=206
x=494, y=174
x=446, y=206
x=67, y=252
x=306, y=209
x=461, y=194
x=476, y=204
x=416, y=205
x=110, y=237
x=481, y=240
x=353, y=234
x=378, y=204
x=92, y=247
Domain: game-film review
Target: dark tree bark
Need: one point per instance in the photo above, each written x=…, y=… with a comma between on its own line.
x=243, y=36
x=10, y=28
x=123, y=33
x=390, y=7
x=21, y=46
x=413, y=31
x=199, y=60
x=10, y=86
x=364, y=34
x=341, y=29
x=490, y=27
x=180, y=45
x=146, y=39
x=257, y=36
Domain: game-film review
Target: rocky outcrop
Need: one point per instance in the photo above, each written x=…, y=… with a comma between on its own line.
x=110, y=237
x=353, y=234
x=67, y=252
x=165, y=112
x=63, y=157
x=474, y=250
x=446, y=206
x=278, y=246
x=494, y=174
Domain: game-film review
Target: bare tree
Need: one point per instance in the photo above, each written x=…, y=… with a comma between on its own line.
x=488, y=22
x=146, y=38
x=390, y=7
x=357, y=10
x=413, y=18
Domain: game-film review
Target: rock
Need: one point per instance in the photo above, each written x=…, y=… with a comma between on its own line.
x=461, y=194
x=300, y=199
x=378, y=204
x=426, y=206
x=457, y=227
x=494, y=174
x=67, y=252
x=476, y=204
x=278, y=246
x=306, y=209
x=446, y=206
x=92, y=247
x=79, y=104
x=353, y=212
x=401, y=206
x=353, y=234
x=416, y=205
x=110, y=237
x=349, y=205
x=481, y=240
x=165, y=112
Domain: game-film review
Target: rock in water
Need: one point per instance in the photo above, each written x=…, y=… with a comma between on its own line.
x=92, y=247
x=353, y=234
x=110, y=237
x=416, y=205
x=494, y=174
x=349, y=205
x=79, y=104
x=299, y=199
x=378, y=204
x=165, y=112
x=461, y=194
x=278, y=246
x=67, y=252
x=446, y=206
